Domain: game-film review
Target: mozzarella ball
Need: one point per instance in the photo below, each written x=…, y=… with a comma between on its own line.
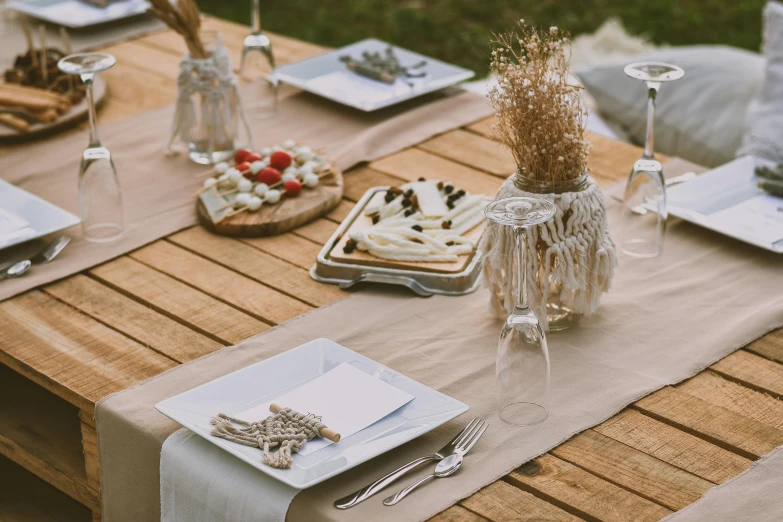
x=305, y=170
x=261, y=189
x=266, y=152
x=257, y=166
x=288, y=176
x=254, y=203
x=311, y=180
x=209, y=182
x=224, y=182
x=234, y=175
x=272, y=196
x=245, y=185
x=241, y=200
x=289, y=144
x=221, y=167
x=304, y=156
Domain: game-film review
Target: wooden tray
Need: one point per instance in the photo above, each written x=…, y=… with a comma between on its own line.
x=75, y=114
x=276, y=219
x=363, y=222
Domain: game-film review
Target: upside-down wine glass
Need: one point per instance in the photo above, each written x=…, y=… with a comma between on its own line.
x=258, y=42
x=100, y=196
x=646, y=189
x=522, y=364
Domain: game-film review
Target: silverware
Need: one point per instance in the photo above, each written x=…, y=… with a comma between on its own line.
x=445, y=467
x=44, y=256
x=461, y=441
x=639, y=209
x=17, y=269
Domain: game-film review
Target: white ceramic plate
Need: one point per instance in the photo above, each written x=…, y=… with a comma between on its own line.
x=714, y=198
x=265, y=380
x=325, y=75
x=76, y=14
x=25, y=216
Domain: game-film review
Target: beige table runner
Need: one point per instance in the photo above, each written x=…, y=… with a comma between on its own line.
x=158, y=191
x=665, y=320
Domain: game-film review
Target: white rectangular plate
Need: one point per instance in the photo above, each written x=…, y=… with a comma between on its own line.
x=710, y=201
x=41, y=216
x=325, y=75
x=75, y=14
x=265, y=380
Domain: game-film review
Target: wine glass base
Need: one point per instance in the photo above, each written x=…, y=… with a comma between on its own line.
x=523, y=414
x=102, y=233
x=640, y=248
x=206, y=158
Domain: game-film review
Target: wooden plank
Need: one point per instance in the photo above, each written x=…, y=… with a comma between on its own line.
x=359, y=181
x=140, y=57
x=769, y=346
x=752, y=371
x=179, y=301
x=40, y=432
x=90, y=453
x=581, y=493
x=674, y=446
x=70, y=354
x=632, y=469
x=472, y=150
x=340, y=212
x=748, y=437
x=140, y=323
x=26, y=498
x=484, y=127
x=318, y=231
x=253, y=263
x=502, y=502
x=457, y=514
x=411, y=164
x=716, y=390
x=221, y=283
x=288, y=247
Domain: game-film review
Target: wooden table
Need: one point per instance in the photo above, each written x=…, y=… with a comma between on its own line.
x=65, y=346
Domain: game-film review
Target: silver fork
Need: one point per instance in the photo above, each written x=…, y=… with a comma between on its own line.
x=449, y=468
x=461, y=441
x=49, y=252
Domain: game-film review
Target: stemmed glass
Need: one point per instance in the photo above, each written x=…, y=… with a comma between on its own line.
x=100, y=196
x=522, y=364
x=646, y=187
x=258, y=42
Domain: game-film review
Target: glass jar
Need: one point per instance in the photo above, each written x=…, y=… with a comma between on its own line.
x=560, y=315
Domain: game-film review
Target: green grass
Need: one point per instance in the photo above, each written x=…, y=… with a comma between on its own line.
x=458, y=31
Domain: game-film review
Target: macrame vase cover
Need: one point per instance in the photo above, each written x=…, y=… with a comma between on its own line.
x=286, y=430
x=215, y=119
x=571, y=256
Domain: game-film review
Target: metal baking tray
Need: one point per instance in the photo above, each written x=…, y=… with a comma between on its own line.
x=423, y=283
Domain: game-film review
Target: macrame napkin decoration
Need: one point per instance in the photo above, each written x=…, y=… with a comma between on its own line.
x=286, y=430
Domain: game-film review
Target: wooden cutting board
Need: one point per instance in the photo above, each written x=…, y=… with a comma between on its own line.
x=363, y=222
x=289, y=213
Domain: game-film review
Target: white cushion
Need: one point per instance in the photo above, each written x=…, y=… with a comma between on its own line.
x=764, y=121
x=699, y=117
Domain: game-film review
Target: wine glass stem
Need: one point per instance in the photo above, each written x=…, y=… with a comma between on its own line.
x=521, y=236
x=94, y=140
x=256, y=17
x=648, y=138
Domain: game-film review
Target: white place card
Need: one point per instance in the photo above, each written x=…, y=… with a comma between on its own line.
x=760, y=217
x=346, y=398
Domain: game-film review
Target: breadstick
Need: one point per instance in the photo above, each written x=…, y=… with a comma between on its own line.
x=43, y=93
x=14, y=122
x=27, y=97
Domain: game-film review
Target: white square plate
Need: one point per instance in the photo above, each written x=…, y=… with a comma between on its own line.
x=265, y=380
x=705, y=199
x=41, y=217
x=325, y=75
x=76, y=14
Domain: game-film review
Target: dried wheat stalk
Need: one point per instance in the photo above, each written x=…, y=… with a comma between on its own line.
x=540, y=115
x=185, y=19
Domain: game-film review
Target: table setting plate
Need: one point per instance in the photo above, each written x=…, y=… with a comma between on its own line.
x=42, y=217
x=76, y=14
x=706, y=200
x=326, y=75
x=273, y=377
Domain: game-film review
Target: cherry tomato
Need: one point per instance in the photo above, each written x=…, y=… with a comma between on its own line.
x=250, y=158
x=240, y=155
x=292, y=187
x=270, y=176
x=280, y=160
x=242, y=167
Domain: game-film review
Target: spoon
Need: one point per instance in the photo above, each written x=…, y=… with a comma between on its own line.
x=445, y=467
x=44, y=256
x=17, y=269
